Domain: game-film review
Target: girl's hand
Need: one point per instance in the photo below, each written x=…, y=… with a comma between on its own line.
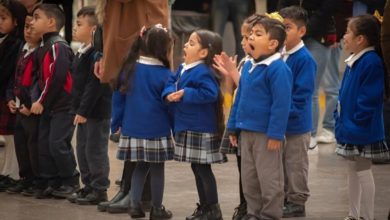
x=25, y=111
x=36, y=108
x=175, y=96
x=233, y=140
x=274, y=145
x=78, y=119
x=12, y=106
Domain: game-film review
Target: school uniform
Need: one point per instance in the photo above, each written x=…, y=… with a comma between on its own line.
x=299, y=125
x=359, y=116
x=260, y=112
x=92, y=100
x=143, y=116
x=195, y=116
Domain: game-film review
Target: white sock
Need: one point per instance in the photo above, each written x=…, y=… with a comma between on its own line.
x=366, y=180
x=354, y=190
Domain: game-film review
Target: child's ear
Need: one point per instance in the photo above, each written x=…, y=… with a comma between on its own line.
x=302, y=31
x=273, y=44
x=203, y=53
x=52, y=23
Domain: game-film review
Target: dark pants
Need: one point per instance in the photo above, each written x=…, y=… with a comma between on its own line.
x=205, y=184
x=57, y=163
x=26, y=145
x=92, y=153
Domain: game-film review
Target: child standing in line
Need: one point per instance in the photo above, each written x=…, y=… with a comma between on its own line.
x=260, y=112
x=359, y=117
x=91, y=105
x=12, y=18
x=26, y=127
x=295, y=156
x=198, y=115
x=138, y=106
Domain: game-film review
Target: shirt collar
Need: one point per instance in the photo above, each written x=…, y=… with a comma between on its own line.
x=149, y=61
x=354, y=57
x=190, y=66
x=27, y=49
x=3, y=38
x=266, y=62
x=83, y=48
x=286, y=54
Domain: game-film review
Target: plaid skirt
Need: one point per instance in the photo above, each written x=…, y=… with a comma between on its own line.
x=7, y=119
x=155, y=150
x=226, y=147
x=197, y=147
x=375, y=151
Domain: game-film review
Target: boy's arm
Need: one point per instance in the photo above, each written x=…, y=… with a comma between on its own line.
x=118, y=107
x=59, y=62
x=231, y=124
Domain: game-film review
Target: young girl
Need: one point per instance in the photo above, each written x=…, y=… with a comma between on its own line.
x=359, y=119
x=144, y=119
x=227, y=66
x=12, y=18
x=195, y=95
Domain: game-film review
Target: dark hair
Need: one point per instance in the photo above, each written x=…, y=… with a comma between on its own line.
x=275, y=29
x=213, y=43
x=252, y=19
x=52, y=11
x=18, y=13
x=154, y=42
x=297, y=14
x=88, y=11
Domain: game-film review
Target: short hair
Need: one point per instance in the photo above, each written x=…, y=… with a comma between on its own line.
x=297, y=14
x=275, y=29
x=52, y=11
x=88, y=11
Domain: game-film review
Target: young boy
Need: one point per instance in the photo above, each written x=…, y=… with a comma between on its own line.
x=92, y=106
x=57, y=163
x=19, y=100
x=261, y=112
x=303, y=68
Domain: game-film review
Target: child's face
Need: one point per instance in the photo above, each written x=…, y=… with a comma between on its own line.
x=260, y=43
x=7, y=23
x=29, y=35
x=351, y=41
x=294, y=33
x=41, y=23
x=245, y=33
x=193, y=50
x=82, y=31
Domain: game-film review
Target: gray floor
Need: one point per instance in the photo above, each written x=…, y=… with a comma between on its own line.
x=328, y=186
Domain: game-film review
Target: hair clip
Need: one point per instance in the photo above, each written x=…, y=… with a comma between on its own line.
x=160, y=26
x=275, y=15
x=378, y=16
x=141, y=33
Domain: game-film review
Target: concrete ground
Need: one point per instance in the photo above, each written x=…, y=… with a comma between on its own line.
x=327, y=179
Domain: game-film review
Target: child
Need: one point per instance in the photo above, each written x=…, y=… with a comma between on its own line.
x=260, y=112
x=197, y=101
x=303, y=68
x=143, y=78
x=26, y=127
x=91, y=105
x=57, y=163
x=12, y=17
x=359, y=119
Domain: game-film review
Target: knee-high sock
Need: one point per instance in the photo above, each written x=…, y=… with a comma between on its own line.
x=354, y=191
x=366, y=180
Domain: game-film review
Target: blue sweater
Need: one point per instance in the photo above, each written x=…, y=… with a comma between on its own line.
x=197, y=111
x=263, y=100
x=359, y=118
x=140, y=112
x=303, y=68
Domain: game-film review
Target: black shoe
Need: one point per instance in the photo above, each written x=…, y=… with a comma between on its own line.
x=250, y=217
x=159, y=213
x=240, y=211
x=104, y=205
x=44, y=193
x=65, y=191
x=30, y=191
x=135, y=211
x=115, y=137
x=93, y=198
x=293, y=210
x=197, y=212
x=19, y=187
x=6, y=183
x=81, y=193
x=120, y=206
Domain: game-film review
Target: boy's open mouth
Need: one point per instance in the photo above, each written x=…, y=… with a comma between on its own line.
x=251, y=46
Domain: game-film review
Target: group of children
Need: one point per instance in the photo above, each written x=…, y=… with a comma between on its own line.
x=163, y=116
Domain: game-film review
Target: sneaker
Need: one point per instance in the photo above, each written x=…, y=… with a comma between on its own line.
x=81, y=193
x=240, y=211
x=353, y=218
x=19, y=187
x=293, y=210
x=326, y=136
x=93, y=198
x=30, y=191
x=313, y=143
x=160, y=213
x=44, y=193
x=6, y=183
x=65, y=191
x=197, y=212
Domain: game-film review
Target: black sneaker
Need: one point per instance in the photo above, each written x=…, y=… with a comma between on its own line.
x=30, y=191
x=6, y=183
x=93, y=198
x=160, y=213
x=81, y=193
x=65, y=191
x=293, y=210
x=44, y=193
x=240, y=211
x=197, y=212
x=19, y=187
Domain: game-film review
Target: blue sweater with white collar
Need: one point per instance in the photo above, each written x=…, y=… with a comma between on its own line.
x=197, y=111
x=303, y=68
x=263, y=99
x=359, y=117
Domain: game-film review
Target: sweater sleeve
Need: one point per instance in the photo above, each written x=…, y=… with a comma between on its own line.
x=205, y=90
x=118, y=107
x=170, y=86
x=231, y=125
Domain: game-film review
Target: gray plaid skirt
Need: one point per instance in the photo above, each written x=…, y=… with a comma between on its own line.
x=375, y=151
x=197, y=147
x=226, y=147
x=155, y=150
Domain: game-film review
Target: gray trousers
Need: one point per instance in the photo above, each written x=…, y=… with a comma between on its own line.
x=92, y=153
x=296, y=167
x=262, y=176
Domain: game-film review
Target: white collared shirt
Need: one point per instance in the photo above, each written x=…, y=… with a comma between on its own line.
x=286, y=54
x=3, y=38
x=190, y=66
x=149, y=61
x=83, y=49
x=28, y=49
x=352, y=59
x=266, y=62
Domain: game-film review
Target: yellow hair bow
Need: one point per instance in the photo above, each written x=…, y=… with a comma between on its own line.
x=378, y=16
x=275, y=15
